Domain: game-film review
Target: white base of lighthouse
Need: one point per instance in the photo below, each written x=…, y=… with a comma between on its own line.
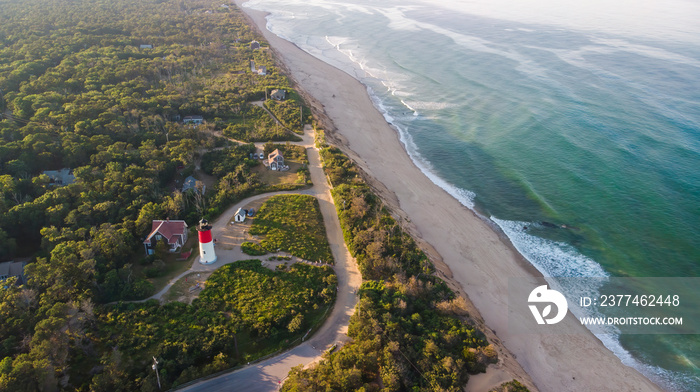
x=206, y=253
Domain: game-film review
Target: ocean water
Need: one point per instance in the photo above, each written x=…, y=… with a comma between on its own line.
x=574, y=126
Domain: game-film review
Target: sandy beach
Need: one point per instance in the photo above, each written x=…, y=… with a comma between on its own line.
x=470, y=254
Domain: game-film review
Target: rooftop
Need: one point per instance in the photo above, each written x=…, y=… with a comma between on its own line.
x=167, y=228
x=61, y=177
x=12, y=268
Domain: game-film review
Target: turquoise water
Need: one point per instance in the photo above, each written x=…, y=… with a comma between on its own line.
x=573, y=117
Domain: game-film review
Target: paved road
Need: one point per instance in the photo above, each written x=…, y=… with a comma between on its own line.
x=267, y=375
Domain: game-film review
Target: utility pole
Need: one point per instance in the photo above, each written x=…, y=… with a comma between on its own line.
x=155, y=368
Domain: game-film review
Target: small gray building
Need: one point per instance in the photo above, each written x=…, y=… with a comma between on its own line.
x=278, y=95
x=9, y=269
x=191, y=183
x=196, y=120
x=60, y=177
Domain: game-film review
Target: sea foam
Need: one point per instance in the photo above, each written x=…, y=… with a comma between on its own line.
x=464, y=196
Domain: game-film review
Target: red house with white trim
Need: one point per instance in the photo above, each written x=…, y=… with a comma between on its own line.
x=172, y=231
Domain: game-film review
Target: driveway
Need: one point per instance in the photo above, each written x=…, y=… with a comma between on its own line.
x=267, y=375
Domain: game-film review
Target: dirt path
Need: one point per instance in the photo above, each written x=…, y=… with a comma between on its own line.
x=267, y=375
x=279, y=123
x=229, y=239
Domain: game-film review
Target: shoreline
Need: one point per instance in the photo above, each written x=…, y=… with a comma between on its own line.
x=475, y=259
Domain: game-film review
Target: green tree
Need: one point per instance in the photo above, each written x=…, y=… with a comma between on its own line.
x=68, y=276
x=8, y=246
x=149, y=212
x=296, y=323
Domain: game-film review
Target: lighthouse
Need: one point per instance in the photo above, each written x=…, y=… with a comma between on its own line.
x=206, y=245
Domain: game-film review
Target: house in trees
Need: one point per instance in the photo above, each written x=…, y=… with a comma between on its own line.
x=172, y=232
x=145, y=46
x=191, y=184
x=260, y=71
x=275, y=160
x=60, y=177
x=278, y=95
x=9, y=269
x=195, y=120
x=254, y=45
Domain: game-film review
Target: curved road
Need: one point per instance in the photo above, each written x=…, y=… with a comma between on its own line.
x=267, y=375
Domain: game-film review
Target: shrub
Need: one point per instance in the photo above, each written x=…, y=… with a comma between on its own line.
x=511, y=386
x=293, y=223
x=288, y=112
x=252, y=249
x=237, y=317
x=401, y=334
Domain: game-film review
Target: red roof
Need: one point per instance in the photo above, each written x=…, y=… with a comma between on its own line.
x=169, y=229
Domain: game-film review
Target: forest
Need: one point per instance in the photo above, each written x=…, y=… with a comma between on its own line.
x=96, y=87
x=100, y=88
x=236, y=319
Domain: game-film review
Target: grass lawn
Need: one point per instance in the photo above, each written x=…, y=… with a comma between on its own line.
x=293, y=223
x=209, y=181
x=184, y=289
x=172, y=267
x=274, y=177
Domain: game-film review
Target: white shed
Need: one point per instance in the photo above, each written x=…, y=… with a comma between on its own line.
x=240, y=215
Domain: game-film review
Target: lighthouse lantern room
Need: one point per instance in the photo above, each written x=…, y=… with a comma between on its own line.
x=207, y=255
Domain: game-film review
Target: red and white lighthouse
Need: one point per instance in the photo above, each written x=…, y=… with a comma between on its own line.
x=206, y=245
